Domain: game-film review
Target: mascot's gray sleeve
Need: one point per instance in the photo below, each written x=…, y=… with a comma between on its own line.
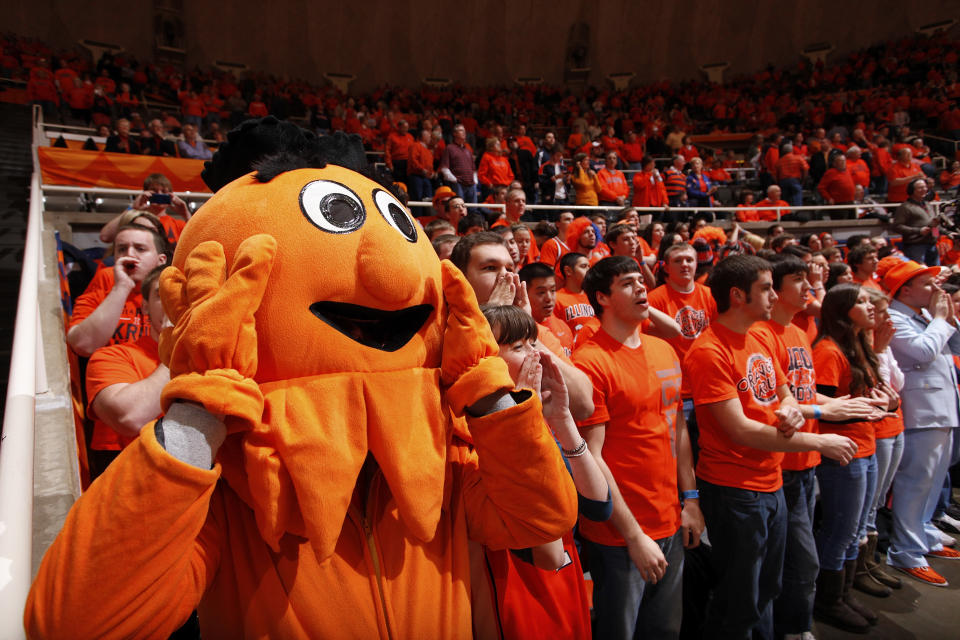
x=190, y=434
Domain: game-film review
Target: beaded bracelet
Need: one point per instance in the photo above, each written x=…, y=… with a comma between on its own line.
x=575, y=453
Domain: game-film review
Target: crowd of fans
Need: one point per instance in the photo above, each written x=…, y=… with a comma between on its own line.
x=731, y=368
x=834, y=132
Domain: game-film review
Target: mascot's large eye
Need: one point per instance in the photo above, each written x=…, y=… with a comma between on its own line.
x=332, y=206
x=391, y=209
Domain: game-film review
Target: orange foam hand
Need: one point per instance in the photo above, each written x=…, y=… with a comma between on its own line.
x=211, y=349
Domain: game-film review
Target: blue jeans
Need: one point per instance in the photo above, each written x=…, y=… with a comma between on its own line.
x=793, y=609
x=792, y=191
x=624, y=604
x=466, y=191
x=916, y=488
x=420, y=188
x=844, y=493
x=748, y=532
x=889, y=452
x=923, y=253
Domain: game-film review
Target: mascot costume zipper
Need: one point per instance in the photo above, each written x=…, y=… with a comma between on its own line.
x=305, y=480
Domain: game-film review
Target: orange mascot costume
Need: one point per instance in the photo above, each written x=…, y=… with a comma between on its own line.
x=317, y=330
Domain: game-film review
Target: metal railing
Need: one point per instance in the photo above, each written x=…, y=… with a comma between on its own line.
x=17, y=446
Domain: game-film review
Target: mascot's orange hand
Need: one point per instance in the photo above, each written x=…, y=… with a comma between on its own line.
x=211, y=349
x=470, y=369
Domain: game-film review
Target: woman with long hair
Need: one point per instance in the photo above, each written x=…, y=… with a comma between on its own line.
x=845, y=364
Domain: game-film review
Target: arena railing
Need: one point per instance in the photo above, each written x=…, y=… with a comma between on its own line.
x=691, y=210
x=17, y=447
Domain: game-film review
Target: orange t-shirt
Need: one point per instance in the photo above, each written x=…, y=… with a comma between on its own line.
x=551, y=251
x=636, y=394
x=726, y=365
x=794, y=353
x=897, y=171
x=890, y=426
x=173, y=227
x=598, y=253
x=807, y=323
x=556, y=336
x=130, y=327
x=833, y=370
x=120, y=363
x=575, y=309
x=693, y=311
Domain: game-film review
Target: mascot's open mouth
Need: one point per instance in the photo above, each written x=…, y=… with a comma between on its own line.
x=383, y=330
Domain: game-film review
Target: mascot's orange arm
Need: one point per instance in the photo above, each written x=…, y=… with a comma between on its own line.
x=95, y=583
x=516, y=491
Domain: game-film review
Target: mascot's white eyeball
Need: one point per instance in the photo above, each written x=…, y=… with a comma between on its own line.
x=391, y=209
x=332, y=207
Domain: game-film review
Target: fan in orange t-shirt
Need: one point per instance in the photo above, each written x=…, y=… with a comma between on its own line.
x=744, y=409
x=124, y=382
x=638, y=432
x=572, y=305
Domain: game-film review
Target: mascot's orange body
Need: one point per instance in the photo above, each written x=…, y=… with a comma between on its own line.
x=341, y=503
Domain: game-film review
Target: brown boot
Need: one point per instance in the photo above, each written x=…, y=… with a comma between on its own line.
x=829, y=606
x=875, y=568
x=864, y=580
x=849, y=575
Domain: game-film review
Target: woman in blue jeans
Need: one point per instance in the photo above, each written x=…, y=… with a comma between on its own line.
x=889, y=437
x=845, y=363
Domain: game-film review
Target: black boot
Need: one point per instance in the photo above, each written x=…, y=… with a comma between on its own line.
x=876, y=568
x=829, y=606
x=849, y=575
x=864, y=580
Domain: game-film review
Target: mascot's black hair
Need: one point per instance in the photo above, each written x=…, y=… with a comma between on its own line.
x=272, y=147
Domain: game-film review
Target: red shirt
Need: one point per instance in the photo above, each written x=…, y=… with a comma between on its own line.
x=726, y=365
x=771, y=214
x=833, y=370
x=794, y=353
x=636, y=394
x=837, y=185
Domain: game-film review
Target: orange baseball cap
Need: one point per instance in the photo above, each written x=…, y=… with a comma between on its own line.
x=443, y=193
x=896, y=272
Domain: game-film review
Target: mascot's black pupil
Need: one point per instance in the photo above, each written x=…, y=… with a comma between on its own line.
x=340, y=210
x=403, y=222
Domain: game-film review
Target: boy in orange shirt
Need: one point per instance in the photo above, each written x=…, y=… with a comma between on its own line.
x=572, y=305
x=747, y=416
x=124, y=382
x=636, y=557
x=541, y=284
x=793, y=608
x=691, y=305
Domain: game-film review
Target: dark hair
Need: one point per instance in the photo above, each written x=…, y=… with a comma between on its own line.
x=744, y=194
x=739, y=271
x=796, y=250
x=828, y=252
x=461, y=253
x=912, y=186
x=601, y=275
x=786, y=265
x=772, y=227
x=568, y=260
x=855, y=240
x=834, y=272
x=147, y=285
x=534, y=271
x=544, y=229
x=623, y=213
x=779, y=241
x=471, y=220
x=648, y=232
x=836, y=325
x=509, y=323
x=859, y=253
x=617, y=230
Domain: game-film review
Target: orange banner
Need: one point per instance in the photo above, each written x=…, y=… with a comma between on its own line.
x=72, y=167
